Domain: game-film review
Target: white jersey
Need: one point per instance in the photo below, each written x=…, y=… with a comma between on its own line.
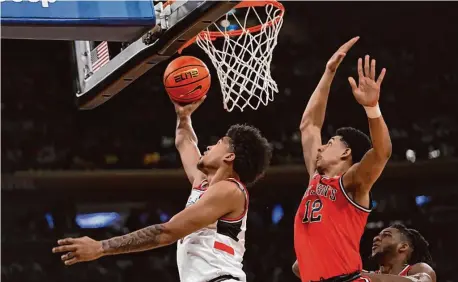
x=215, y=250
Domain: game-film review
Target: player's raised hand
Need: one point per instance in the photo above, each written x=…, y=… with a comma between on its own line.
x=78, y=250
x=188, y=109
x=367, y=92
x=340, y=54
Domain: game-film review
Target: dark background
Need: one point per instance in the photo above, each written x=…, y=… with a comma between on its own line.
x=53, y=154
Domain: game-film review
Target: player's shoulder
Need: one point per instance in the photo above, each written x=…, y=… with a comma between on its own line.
x=420, y=267
x=227, y=187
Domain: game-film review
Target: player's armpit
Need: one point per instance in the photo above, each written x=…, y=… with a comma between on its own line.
x=421, y=269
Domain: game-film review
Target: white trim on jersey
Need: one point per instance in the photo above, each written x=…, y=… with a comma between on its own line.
x=356, y=205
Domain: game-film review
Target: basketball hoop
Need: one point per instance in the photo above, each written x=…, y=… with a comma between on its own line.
x=243, y=60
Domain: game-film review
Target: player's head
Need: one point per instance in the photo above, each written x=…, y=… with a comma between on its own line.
x=244, y=149
x=348, y=145
x=398, y=241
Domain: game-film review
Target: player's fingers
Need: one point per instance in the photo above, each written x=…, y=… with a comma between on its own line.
x=381, y=76
x=65, y=248
x=71, y=261
x=366, y=66
x=373, y=70
x=360, y=68
x=67, y=256
x=347, y=46
x=352, y=83
x=66, y=241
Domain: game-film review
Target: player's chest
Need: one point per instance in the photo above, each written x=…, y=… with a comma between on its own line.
x=319, y=199
x=323, y=191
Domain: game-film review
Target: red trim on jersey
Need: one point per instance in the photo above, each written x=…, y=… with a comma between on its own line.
x=405, y=271
x=223, y=247
x=247, y=199
x=201, y=186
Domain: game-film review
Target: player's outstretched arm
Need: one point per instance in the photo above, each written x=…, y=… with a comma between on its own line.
x=361, y=176
x=313, y=116
x=219, y=200
x=186, y=141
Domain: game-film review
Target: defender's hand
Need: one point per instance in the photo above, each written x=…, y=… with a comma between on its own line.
x=367, y=93
x=339, y=55
x=187, y=110
x=78, y=250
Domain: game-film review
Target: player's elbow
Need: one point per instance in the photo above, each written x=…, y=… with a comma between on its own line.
x=168, y=236
x=307, y=127
x=295, y=269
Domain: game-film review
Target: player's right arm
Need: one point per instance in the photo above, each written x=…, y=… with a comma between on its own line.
x=186, y=142
x=313, y=116
x=220, y=199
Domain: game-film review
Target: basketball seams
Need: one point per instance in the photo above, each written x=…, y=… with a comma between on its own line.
x=182, y=67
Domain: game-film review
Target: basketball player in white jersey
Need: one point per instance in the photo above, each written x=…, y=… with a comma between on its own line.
x=211, y=229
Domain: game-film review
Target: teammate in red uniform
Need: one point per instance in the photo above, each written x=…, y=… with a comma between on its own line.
x=333, y=212
x=403, y=251
x=399, y=251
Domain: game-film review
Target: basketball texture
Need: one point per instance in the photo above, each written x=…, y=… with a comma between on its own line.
x=186, y=79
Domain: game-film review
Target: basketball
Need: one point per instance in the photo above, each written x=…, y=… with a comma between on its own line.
x=187, y=79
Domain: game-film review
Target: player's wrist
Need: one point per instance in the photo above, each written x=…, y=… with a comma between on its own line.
x=373, y=112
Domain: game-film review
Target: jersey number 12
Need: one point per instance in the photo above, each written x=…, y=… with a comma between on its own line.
x=312, y=211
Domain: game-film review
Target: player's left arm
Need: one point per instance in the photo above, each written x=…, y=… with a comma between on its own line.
x=361, y=176
x=218, y=201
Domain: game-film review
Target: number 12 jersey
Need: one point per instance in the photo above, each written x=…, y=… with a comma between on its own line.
x=327, y=230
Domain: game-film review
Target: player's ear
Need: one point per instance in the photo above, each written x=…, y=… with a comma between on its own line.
x=229, y=157
x=346, y=154
x=403, y=247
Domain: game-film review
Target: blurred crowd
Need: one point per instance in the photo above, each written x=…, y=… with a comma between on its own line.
x=42, y=129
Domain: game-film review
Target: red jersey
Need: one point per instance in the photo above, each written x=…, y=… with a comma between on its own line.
x=327, y=230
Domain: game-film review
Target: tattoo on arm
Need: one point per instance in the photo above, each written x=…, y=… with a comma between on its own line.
x=141, y=240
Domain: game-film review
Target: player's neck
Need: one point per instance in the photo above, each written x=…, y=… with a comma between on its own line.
x=394, y=267
x=337, y=169
x=222, y=173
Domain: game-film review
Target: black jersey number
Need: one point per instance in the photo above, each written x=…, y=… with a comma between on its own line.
x=312, y=211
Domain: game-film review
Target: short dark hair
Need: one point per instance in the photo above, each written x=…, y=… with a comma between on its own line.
x=356, y=140
x=252, y=152
x=419, y=245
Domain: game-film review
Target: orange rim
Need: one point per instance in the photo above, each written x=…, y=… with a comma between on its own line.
x=213, y=35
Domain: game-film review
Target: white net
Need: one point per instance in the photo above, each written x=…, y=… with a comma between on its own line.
x=242, y=60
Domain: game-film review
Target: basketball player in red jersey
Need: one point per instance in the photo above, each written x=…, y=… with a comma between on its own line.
x=333, y=212
x=212, y=226
x=399, y=251
x=403, y=251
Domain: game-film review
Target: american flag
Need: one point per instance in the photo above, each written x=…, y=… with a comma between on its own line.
x=100, y=56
